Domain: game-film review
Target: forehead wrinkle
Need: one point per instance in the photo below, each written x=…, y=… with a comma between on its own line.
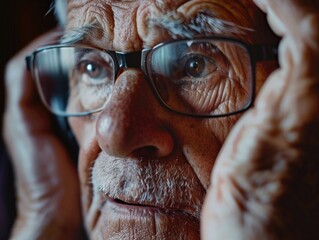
x=90, y=21
x=183, y=20
x=126, y=28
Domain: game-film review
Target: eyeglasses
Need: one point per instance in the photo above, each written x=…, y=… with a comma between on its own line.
x=206, y=77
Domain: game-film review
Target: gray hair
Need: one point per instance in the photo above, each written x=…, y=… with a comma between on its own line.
x=60, y=11
x=203, y=23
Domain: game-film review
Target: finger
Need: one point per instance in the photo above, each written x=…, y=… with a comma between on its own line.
x=28, y=124
x=234, y=208
x=298, y=23
x=272, y=150
x=46, y=180
x=19, y=84
x=288, y=16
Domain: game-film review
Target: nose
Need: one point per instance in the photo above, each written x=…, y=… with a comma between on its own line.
x=132, y=121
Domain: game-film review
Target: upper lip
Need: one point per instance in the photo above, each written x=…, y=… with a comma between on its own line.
x=165, y=185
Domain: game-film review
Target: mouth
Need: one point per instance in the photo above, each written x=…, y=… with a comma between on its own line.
x=131, y=220
x=134, y=205
x=145, y=207
x=152, y=198
x=140, y=188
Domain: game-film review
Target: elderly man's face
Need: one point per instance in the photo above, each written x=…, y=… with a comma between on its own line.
x=144, y=170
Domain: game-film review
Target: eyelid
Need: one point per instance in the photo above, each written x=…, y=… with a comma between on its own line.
x=86, y=51
x=207, y=57
x=194, y=54
x=203, y=45
x=201, y=49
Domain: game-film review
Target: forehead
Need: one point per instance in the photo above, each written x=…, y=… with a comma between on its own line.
x=131, y=25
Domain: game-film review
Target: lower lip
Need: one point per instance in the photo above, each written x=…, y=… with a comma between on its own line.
x=121, y=219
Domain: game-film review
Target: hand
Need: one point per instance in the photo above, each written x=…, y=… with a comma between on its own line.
x=46, y=181
x=265, y=184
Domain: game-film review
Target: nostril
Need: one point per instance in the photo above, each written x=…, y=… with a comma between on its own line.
x=147, y=151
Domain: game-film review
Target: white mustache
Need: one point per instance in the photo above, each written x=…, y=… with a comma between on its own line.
x=167, y=185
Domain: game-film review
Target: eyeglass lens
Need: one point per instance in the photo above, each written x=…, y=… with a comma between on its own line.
x=211, y=77
x=199, y=77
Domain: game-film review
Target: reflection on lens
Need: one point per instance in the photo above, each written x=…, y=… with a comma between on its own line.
x=204, y=77
x=207, y=77
x=74, y=80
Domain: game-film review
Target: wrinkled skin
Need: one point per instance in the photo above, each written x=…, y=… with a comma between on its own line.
x=263, y=184
x=139, y=147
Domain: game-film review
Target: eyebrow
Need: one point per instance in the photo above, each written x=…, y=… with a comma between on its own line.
x=177, y=25
x=78, y=35
x=202, y=24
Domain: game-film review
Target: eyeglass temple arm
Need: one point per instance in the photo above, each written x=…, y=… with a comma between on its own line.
x=28, y=60
x=265, y=52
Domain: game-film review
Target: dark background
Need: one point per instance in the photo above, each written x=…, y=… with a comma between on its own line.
x=20, y=21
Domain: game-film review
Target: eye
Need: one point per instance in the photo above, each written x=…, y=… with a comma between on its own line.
x=93, y=70
x=197, y=66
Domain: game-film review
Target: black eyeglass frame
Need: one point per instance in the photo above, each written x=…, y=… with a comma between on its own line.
x=122, y=60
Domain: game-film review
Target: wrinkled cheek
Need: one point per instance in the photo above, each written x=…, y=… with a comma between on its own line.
x=86, y=188
x=84, y=130
x=223, y=126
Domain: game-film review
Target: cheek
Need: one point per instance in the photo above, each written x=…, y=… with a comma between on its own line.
x=201, y=142
x=83, y=129
x=75, y=125
x=216, y=131
x=222, y=126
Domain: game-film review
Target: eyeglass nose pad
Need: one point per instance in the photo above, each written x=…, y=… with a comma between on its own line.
x=129, y=60
x=133, y=60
